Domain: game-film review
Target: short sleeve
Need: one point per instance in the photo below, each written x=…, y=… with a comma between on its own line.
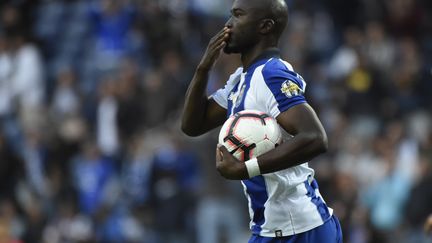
x=221, y=95
x=287, y=87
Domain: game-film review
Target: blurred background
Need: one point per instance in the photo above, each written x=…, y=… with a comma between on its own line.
x=90, y=98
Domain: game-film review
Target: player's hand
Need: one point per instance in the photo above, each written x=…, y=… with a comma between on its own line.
x=229, y=166
x=428, y=225
x=216, y=44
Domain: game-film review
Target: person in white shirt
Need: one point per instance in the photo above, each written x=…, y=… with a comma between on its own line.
x=284, y=200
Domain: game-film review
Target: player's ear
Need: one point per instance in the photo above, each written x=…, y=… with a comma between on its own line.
x=266, y=26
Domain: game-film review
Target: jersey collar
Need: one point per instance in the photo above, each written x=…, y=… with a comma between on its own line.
x=263, y=58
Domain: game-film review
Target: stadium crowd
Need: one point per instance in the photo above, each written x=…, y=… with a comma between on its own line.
x=90, y=95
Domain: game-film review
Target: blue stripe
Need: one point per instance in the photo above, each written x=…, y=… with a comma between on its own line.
x=275, y=73
x=230, y=103
x=248, y=77
x=257, y=191
x=249, y=73
x=319, y=203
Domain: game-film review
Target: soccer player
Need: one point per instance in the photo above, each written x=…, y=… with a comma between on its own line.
x=284, y=201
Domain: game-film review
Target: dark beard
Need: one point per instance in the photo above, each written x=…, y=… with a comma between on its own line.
x=231, y=49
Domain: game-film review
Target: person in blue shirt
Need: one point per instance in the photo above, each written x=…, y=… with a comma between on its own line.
x=284, y=201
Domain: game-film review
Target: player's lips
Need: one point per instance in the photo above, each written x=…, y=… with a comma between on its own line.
x=228, y=38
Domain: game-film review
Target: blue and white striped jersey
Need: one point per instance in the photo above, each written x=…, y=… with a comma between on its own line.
x=285, y=202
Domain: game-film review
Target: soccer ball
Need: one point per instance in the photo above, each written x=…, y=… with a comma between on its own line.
x=250, y=133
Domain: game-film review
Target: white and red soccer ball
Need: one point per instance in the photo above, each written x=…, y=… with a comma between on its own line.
x=250, y=133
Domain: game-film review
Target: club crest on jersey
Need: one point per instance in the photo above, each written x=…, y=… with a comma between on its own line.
x=237, y=97
x=290, y=89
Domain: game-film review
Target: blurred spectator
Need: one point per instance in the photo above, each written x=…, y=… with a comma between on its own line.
x=112, y=21
x=344, y=194
x=136, y=172
x=11, y=168
x=156, y=104
x=295, y=46
x=419, y=204
x=91, y=175
x=174, y=183
x=34, y=156
x=403, y=17
x=130, y=115
x=66, y=99
x=345, y=58
x=14, y=15
x=210, y=8
x=5, y=235
x=106, y=120
x=387, y=197
x=35, y=221
x=12, y=225
x=357, y=155
x=118, y=225
x=21, y=86
x=27, y=76
x=406, y=76
x=219, y=199
x=362, y=90
x=68, y=225
x=379, y=48
x=6, y=107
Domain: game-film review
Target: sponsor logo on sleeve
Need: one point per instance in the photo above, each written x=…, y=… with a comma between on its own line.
x=290, y=89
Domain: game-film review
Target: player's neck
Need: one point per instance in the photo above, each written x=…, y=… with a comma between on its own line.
x=250, y=56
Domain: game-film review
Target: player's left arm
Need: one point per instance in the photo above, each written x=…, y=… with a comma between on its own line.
x=309, y=140
x=296, y=117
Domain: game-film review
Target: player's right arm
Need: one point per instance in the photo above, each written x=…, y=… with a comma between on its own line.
x=201, y=114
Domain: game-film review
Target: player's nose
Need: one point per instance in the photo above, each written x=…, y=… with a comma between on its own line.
x=228, y=24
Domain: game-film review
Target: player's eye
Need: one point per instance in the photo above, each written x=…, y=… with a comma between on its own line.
x=236, y=13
